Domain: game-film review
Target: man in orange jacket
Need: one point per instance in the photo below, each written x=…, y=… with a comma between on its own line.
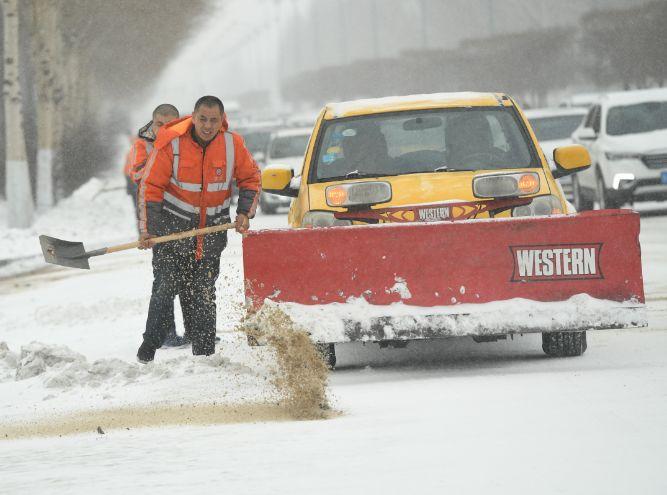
x=143, y=145
x=136, y=161
x=187, y=184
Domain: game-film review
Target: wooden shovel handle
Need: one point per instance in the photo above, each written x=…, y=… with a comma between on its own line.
x=173, y=237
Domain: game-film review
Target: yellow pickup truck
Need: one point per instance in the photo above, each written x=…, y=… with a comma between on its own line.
x=436, y=164
x=437, y=149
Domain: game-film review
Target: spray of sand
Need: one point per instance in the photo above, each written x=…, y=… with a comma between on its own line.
x=301, y=376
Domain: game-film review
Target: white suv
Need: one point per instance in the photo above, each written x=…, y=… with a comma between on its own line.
x=286, y=147
x=553, y=128
x=626, y=136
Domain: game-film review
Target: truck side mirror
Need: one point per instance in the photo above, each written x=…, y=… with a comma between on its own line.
x=586, y=134
x=276, y=179
x=570, y=159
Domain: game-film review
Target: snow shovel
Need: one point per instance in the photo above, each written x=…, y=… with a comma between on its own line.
x=74, y=255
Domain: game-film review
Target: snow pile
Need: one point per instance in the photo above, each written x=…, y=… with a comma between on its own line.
x=340, y=109
x=36, y=358
x=355, y=319
x=97, y=213
x=8, y=363
x=60, y=367
x=66, y=393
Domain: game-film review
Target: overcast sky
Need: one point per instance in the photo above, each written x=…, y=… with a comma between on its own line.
x=250, y=44
x=231, y=52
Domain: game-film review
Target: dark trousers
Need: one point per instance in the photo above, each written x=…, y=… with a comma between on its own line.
x=176, y=271
x=132, y=190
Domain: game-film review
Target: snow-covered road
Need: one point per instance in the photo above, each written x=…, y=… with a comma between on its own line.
x=450, y=416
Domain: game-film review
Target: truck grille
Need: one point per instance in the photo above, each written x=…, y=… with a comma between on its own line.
x=655, y=161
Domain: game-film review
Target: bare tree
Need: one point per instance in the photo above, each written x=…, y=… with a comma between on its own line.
x=90, y=60
x=48, y=81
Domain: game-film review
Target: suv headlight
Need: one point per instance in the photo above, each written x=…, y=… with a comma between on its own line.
x=541, y=205
x=322, y=219
x=622, y=156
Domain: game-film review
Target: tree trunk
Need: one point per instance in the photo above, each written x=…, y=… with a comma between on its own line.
x=45, y=39
x=28, y=96
x=3, y=133
x=17, y=186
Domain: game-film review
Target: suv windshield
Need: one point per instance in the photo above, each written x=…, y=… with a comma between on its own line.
x=634, y=119
x=289, y=146
x=422, y=141
x=555, y=128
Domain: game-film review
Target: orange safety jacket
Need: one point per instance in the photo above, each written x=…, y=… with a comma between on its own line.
x=185, y=186
x=127, y=166
x=139, y=152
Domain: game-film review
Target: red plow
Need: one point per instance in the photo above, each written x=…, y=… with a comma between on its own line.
x=403, y=281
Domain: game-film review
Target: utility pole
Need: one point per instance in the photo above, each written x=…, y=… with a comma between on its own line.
x=422, y=15
x=492, y=20
x=343, y=31
x=18, y=192
x=274, y=79
x=374, y=21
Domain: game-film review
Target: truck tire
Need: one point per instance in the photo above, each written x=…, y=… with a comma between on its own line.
x=581, y=202
x=564, y=344
x=605, y=201
x=267, y=209
x=328, y=353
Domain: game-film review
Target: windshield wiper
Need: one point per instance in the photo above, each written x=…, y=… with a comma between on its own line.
x=445, y=168
x=355, y=174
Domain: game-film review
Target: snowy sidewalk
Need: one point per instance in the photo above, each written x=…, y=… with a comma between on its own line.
x=98, y=213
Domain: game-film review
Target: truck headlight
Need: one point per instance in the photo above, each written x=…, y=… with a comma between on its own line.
x=358, y=193
x=506, y=185
x=541, y=206
x=322, y=219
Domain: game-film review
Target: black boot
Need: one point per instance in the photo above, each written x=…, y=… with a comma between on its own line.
x=146, y=353
x=175, y=340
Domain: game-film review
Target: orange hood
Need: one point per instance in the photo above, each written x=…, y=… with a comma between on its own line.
x=179, y=127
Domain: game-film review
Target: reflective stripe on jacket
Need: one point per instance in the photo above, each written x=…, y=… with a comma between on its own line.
x=188, y=186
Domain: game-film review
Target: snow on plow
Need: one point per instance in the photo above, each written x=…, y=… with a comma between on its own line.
x=429, y=280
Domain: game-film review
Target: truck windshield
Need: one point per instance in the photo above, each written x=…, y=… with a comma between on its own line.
x=421, y=142
x=635, y=119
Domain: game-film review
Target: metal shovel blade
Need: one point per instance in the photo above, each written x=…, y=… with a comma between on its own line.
x=64, y=253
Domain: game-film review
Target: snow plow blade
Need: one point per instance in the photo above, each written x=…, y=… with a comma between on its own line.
x=474, y=277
